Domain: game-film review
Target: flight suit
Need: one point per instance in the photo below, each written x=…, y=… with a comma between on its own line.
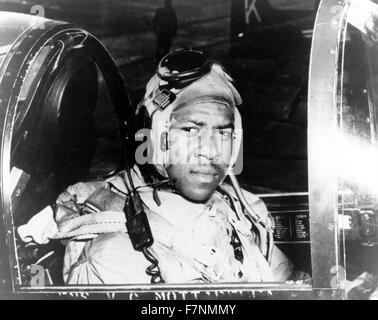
x=193, y=242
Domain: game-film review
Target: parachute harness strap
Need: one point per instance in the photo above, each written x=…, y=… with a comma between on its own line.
x=266, y=246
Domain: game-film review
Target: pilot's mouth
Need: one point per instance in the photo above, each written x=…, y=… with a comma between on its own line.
x=204, y=171
x=204, y=175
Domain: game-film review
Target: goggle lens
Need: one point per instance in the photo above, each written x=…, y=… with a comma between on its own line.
x=182, y=67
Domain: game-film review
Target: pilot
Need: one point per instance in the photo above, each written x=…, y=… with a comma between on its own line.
x=182, y=223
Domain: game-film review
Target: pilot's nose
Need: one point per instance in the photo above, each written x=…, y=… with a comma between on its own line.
x=208, y=147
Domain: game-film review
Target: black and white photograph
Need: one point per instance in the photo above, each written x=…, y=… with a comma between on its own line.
x=189, y=150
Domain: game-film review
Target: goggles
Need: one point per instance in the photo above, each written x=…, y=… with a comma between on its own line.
x=182, y=67
x=179, y=69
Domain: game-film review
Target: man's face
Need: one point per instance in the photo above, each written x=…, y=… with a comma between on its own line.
x=200, y=144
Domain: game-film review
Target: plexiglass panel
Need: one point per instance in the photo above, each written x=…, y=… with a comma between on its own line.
x=357, y=148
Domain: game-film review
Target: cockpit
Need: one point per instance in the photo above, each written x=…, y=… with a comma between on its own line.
x=64, y=110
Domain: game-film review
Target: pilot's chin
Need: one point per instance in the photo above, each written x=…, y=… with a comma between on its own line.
x=198, y=195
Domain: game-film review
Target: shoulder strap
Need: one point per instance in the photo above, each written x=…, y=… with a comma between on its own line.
x=265, y=237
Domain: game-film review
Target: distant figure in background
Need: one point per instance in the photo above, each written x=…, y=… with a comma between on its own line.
x=165, y=27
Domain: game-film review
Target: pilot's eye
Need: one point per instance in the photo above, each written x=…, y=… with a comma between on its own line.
x=225, y=133
x=191, y=131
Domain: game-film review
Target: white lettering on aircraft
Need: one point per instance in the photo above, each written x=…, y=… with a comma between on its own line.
x=249, y=8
